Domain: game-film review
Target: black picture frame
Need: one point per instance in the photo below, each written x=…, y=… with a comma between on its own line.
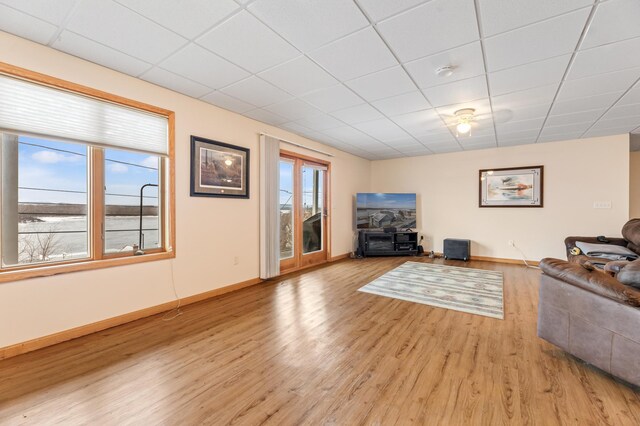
x=219, y=169
x=534, y=197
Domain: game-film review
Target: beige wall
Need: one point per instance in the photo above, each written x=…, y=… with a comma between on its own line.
x=576, y=174
x=210, y=231
x=634, y=184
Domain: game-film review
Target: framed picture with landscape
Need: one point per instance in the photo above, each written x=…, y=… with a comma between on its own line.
x=511, y=187
x=218, y=169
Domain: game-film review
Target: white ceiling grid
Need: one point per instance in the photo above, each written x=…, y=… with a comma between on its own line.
x=360, y=74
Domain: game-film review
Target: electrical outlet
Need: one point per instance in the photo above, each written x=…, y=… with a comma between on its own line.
x=236, y=260
x=511, y=243
x=602, y=204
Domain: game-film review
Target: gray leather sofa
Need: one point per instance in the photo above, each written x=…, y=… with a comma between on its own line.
x=594, y=314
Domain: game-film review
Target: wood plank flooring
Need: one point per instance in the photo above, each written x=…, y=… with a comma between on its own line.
x=310, y=349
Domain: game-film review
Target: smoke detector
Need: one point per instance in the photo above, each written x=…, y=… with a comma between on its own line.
x=445, y=71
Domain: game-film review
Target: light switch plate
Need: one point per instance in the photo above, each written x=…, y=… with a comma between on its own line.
x=602, y=204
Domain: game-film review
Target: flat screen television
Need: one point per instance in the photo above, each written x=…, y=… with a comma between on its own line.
x=385, y=210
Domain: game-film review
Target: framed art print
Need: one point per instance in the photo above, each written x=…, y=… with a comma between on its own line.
x=218, y=169
x=512, y=187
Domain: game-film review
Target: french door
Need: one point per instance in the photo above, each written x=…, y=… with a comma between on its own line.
x=303, y=211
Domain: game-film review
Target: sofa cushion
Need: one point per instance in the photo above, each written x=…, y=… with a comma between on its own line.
x=606, y=251
x=631, y=232
x=630, y=274
x=596, y=281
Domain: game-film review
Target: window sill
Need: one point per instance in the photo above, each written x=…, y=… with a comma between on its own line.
x=86, y=265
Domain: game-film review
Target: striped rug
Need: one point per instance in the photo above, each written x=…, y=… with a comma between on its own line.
x=475, y=291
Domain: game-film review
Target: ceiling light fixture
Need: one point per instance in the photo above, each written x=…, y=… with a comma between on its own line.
x=445, y=71
x=228, y=162
x=465, y=117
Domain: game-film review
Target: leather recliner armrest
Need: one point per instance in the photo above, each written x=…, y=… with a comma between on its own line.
x=595, y=281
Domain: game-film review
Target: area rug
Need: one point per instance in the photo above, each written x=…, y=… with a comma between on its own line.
x=475, y=291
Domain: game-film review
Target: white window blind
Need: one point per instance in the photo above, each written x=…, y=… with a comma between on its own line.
x=36, y=109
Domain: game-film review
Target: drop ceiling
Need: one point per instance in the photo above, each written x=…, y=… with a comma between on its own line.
x=359, y=75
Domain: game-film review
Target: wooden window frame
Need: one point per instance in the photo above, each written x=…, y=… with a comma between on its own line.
x=95, y=168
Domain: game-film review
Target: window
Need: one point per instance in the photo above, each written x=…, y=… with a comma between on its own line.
x=85, y=178
x=132, y=209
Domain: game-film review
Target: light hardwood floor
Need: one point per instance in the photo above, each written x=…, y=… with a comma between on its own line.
x=310, y=349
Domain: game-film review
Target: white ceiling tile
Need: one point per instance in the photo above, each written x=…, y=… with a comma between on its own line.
x=227, y=102
x=528, y=76
x=569, y=106
x=309, y=24
x=357, y=114
x=295, y=127
x=403, y=144
x=445, y=148
x=90, y=50
x=188, y=20
x=175, y=82
x=605, y=132
x=26, y=26
x=629, y=123
x=383, y=84
x=457, y=92
x=293, y=109
x=299, y=76
x=382, y=129
x=247, y=42
x=320, y=122
x=381, y=9
x=501, y=115
x=565, y=129
x=544, y=40
x=333, y=98
x=431, y=139
x=577, y=117
x=607, y=58
x=204, y=67
x=614, y=20
x=557, y=137
x=256, y=91
x=467, y=61
x=516, y=142
x=355, y=55
x=526, y=98
x=474, y=139
x=348, y=134
x=116, y=26
x=402, y=104
x=265, y=116
x=520, y=126
x=499, y=15
x=520, y=135
x=631, y=97
x=433, y=27
x=420, y=122
x=629, y=110
x=601, y=83
x=53, y=12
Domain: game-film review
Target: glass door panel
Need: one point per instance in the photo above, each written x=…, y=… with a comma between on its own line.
x=287, y=214
x=312, y=209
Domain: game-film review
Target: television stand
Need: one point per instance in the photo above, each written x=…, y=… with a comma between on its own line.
x=381, y=243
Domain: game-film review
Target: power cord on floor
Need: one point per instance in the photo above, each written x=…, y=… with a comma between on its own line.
x=175, y=312
x=524, y=258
